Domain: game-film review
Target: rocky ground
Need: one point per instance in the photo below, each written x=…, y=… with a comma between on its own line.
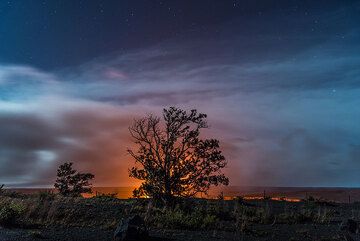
x=262, y=232
x=53, y=218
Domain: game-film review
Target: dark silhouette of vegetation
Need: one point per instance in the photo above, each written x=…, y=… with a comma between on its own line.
x=174, y=161
x=69, y=182
x=10, y=214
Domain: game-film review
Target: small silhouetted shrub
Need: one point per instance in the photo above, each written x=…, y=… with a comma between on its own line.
x=69, y=182
x=10, y=214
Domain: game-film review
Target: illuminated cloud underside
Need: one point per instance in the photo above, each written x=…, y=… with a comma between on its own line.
x=284, y=117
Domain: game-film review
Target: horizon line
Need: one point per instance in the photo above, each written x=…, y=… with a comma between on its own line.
x=235, y=186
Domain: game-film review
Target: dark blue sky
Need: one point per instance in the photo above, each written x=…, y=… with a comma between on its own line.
x=55, y=34
x=280, y=81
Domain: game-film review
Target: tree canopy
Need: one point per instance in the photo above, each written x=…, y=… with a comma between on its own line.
x=172, y=160
x=69, y=182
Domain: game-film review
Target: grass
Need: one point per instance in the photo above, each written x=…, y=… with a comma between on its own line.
x=11, y=212
x=179, y=219
x=47, y=208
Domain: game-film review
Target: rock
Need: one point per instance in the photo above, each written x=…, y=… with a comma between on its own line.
x=131, y=229
x=347, y=237
x=350, y=225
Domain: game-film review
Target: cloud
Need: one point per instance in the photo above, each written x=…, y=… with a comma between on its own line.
x=222, y=68
x=92, y=135
x=285, y=109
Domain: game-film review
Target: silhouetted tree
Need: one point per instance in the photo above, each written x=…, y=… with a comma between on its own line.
x=69, y=182
x=174, y=161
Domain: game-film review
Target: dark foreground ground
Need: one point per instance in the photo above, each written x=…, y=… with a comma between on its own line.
x=48, y=217
x=261, y=232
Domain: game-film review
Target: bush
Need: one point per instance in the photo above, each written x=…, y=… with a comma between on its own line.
x=306, y=214
x=12, y=194
x=262, y=215
x=46, y=195
x=10, y=214
x=178, y=219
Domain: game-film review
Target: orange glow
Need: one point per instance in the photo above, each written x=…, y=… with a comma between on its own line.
x=273, y=198
x=248, y=198
x=286, y=199
x=127, y=192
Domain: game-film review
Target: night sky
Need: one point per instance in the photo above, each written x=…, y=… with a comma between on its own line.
x=279, y=80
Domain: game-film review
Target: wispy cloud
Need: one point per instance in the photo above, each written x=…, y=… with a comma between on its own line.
x=278, y=112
